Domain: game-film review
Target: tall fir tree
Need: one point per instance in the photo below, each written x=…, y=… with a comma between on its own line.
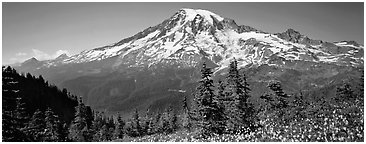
x=239, y=110
x=96, y=127
x=20, y=113
x=219, y=114
x=104, y=133
x=173, y=120
x=156, y=126
x=164, y=122
x=250, y=114
x=118, y=132
x=206, y=108
x=37, y=127
x=186, y=118
x=134, y=129
x=78, y=128
x=146, y=122
x=53, y=131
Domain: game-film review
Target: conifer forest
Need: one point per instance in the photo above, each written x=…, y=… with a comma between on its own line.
x=221, y=111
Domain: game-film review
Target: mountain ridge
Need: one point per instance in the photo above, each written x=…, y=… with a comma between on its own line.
x=152, y=66
x=189, y=24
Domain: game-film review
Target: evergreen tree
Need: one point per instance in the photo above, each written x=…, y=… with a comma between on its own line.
x=277, y=104
x=206, y=108
x=135, y=128
x=239, y=110
x=89, y=116
x=64, y=132
x=104, y=133
x=151, y=126
x=344, y=93
x=281, y=96
x=219, y=115
x=52, y=132
x=173, y=120
x=78, y=128
x=110, y=128
x=118, y=132
x=164, y=122
x=156, y=126
x=37, y=126
x=145, y=123
x=12, y=121
x=186, y=119
x=96, y=127
x=20, y=113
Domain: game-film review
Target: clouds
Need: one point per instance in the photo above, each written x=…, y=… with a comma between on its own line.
x=40, y=55
x=20, y=54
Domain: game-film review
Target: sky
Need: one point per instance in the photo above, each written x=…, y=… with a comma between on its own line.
x=46, y=30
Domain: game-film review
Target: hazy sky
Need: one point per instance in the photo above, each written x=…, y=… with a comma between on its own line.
x=45, y=30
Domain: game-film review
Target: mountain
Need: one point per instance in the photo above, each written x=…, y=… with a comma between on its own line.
x=154, y=67
x=62, y=57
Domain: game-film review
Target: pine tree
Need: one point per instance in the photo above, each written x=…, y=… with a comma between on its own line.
x=89, y=116
x=239, y=110
x=104, y=133
x=110, y=128
x=146, y=122
x=151, y=126
x=206, y=108
x=52, y=132
x=173, y=120
x=281, y=96
x=78, y=127
x=20, y=113
x=96, y=127
x=156, y=126
x=344, y=93
x=64, y=132
x=135, y=128
x=164, y=122
x=118, y=132
x=37, y=127
x=12, y=122
x=186, y=119
x=278, y=103
x=219, y=113
x=249, y=115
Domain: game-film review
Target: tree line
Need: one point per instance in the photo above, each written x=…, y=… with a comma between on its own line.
x=221, y=107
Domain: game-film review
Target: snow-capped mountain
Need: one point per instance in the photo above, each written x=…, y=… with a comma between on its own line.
x=151, y=67
x=191, y=34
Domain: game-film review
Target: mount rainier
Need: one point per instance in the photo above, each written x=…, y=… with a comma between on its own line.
x=154, y=67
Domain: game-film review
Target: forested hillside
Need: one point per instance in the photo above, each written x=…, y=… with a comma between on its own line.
x=223, y=110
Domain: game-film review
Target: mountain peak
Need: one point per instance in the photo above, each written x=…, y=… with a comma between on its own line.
x=192, y=13
x=62, y=56
x=190, y=34
x=292, y=35
x=290, y=31
x=30, y=61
